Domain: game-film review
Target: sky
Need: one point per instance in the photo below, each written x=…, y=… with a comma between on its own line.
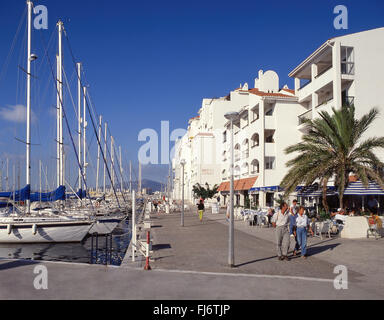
x=152, y=61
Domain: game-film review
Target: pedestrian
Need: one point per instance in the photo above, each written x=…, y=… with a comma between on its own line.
x=270, y=214
x=292, y=225
x=373, y=204
x=302, y=226
x=280, y=222
x=200, y=210
x=228, y=213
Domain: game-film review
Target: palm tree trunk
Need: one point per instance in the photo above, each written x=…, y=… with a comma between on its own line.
x=325, y=202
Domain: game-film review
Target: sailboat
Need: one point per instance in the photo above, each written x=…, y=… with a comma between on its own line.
x=38, y=227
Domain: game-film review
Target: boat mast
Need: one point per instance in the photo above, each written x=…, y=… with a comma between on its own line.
x=105, y=152
x=112, y=161
x=79, y=119
x=57, y=123
x=139, y=184
x=28, y=142
x=7, y=178
x=40, y=189
x=121, y=172
x=130, y=176
x=98, y=154
x=84, y=133
x=60, y=100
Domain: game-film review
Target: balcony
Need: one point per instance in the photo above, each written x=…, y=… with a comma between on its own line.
x=348, y=101
x=270, y=149
x=320, y=81
x=305, y=116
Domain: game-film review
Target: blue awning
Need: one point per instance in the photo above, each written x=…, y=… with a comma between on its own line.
x=268, y=189
x=357, y=188
x=314, y=191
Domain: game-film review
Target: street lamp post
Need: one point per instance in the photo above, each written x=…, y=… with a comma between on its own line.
x=231, y=116
x=182, y=162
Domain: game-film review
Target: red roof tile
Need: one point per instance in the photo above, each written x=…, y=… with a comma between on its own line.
x=268, y=94
x=239, y=185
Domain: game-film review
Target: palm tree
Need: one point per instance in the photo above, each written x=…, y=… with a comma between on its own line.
x=333, y=148
x=205, y=193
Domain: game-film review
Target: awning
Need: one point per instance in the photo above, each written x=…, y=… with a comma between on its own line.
x=357, y=188
x=239, y=185
x=314, y=191
x=268, y=189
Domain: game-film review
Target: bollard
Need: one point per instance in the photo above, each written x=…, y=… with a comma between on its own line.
x=110, y=248
x=106, y=249
x=97, y=244
x=147, y=266
x=92, y=249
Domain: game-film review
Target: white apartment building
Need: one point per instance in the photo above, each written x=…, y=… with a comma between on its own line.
x=265, y=128
x=344, y=70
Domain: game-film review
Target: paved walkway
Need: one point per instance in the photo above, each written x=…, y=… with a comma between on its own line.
x=204, y=248
x=191, y=264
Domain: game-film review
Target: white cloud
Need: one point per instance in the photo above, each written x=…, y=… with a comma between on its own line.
x=17, y=113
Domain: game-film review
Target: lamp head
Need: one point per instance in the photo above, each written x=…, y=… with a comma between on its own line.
x=183, y=162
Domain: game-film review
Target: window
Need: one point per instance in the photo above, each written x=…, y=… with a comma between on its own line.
x=255, y=113
x=255, y=140
x=254, y=166
x=237, y=172
x=255, y=200
x=245, y=169
x=269, y=136
x=245, y=120
x=269, y=108
x=347, y=60
x=269, y=163
x=224, y=136
x=237, y=152
x=245, y=148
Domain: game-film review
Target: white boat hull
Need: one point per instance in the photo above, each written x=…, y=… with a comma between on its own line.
x=104, y=226
x=44, y=232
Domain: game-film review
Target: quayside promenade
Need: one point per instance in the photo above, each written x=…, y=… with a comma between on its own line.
x=190, y=263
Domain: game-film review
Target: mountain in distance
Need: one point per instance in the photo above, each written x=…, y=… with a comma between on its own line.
x=145, y=184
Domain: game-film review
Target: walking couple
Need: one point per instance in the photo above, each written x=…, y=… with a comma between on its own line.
x=291, y=222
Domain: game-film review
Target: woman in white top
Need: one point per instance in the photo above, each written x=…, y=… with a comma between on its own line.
x=302, y=225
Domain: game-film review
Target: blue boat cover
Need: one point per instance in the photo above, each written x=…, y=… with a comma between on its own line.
x=19, y=195
x=82, y=194
x=58, y=194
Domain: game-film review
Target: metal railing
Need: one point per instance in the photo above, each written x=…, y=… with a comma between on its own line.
x=349, y=101
x=348, y=68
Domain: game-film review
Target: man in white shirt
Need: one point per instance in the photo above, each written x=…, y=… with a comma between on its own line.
x=280, y=221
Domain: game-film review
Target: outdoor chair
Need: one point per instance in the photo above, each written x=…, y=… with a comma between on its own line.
x=321, y=228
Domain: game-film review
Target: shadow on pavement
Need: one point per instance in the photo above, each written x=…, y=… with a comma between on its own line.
x=4, y=265
x=161, y=246
x=316, y=250
x=254, y=261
